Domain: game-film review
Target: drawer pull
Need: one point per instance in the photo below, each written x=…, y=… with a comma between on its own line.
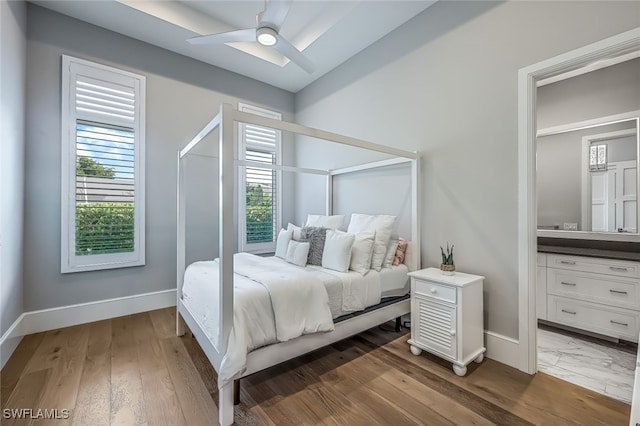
x=618, y=292
x=567, y=262
x=433, y=291
x=566, y=283
x=568, y=312
x=619, y=323
x=618, y=268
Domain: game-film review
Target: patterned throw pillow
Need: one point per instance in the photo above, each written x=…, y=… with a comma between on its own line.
x=316, y=237
x=400, y=252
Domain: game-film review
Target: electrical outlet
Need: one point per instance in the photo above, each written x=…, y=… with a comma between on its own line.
x=570, y=226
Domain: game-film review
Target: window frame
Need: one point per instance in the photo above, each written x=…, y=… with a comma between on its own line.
x=257, y=248
x=72, y=68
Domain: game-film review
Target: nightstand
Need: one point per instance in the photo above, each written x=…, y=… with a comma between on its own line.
x=446, y=317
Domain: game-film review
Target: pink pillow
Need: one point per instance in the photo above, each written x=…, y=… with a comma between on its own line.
x=400, y=252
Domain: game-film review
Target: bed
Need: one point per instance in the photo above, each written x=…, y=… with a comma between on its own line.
x=286, y=318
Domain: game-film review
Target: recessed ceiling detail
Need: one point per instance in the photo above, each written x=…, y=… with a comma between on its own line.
x=326, y=32
x=269, y=22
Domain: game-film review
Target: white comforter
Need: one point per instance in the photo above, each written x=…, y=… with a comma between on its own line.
x=273, y=302
x=299, y=300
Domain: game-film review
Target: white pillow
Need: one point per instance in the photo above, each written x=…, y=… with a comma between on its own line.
x=337, y=250
x=382, y=225
x=361, y=252
x=391, y=251
x=329, y=222
x=282, y=243
x=296, y=231
x=297, y=253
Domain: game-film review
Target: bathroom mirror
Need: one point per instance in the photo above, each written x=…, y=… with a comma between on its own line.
x=588, y=180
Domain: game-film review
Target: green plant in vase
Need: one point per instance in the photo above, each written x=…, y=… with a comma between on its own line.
x=447, y=266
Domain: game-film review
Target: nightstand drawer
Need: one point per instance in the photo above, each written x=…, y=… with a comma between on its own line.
x=434, y=291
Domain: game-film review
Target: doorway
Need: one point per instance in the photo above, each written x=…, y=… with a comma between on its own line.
x=614, y=47
x=586, y=182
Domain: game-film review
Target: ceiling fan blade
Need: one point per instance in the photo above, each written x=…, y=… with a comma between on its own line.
x=228, y=37
x=275, y=13
x=297, y=57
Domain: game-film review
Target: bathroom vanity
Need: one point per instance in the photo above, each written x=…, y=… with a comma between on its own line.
x=588, y=289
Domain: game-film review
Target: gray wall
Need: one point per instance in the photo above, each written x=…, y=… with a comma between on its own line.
x=13, y=27
x=622, y=149
x=182, y=95
x=559, y=172
x=445, y=83
x=384, y=190
x=607, y=91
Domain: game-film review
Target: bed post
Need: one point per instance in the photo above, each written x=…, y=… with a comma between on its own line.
x=236, y=392
x=329, y=192
x=226, y=249
x=181, y=225
x=225, y=404
x=416, y=211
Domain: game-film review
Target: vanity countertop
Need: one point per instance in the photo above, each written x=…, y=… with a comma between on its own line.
x=590, y=252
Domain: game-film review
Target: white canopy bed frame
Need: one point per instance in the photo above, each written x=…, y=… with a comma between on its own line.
x=225, y=122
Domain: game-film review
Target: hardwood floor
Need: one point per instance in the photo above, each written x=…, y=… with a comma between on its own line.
x=134, y=371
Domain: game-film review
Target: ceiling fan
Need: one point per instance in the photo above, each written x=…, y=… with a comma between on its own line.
x=266, y=33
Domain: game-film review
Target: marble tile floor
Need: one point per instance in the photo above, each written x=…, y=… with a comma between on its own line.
x=604, y=367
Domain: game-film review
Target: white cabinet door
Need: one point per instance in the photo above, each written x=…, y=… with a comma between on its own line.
x=613, y=198
x=541, y=292
x=437, y=327
x=624, y=198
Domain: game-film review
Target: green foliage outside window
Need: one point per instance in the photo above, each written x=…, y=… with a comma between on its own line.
x=87, y=166
x=259, y=207
x=102, y=227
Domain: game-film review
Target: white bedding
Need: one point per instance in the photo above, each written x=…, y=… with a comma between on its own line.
x=258, y=279
x=394, y=281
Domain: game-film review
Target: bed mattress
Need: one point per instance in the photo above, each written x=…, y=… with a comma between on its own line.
x=391, y=282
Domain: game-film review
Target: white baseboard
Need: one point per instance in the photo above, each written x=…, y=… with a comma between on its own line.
x=66, y=316
x=502, y=349
x=10, y=340
x=499, y=348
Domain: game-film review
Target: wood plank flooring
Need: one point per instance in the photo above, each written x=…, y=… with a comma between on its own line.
x=134, y=371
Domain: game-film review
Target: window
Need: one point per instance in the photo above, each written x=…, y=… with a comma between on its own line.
x=260, y=194
x=102, y=167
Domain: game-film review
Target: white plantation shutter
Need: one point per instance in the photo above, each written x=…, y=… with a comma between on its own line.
x=104, y=101
x=260, y=194
x=102, y=166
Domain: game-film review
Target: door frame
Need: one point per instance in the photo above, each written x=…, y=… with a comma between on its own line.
x=527, y=210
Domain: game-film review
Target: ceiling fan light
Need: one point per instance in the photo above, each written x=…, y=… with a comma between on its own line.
x=266, y=36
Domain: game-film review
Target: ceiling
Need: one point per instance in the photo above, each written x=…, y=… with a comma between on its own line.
x=327, y=32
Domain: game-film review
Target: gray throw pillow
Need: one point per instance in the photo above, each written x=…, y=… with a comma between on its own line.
x=316, y=237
